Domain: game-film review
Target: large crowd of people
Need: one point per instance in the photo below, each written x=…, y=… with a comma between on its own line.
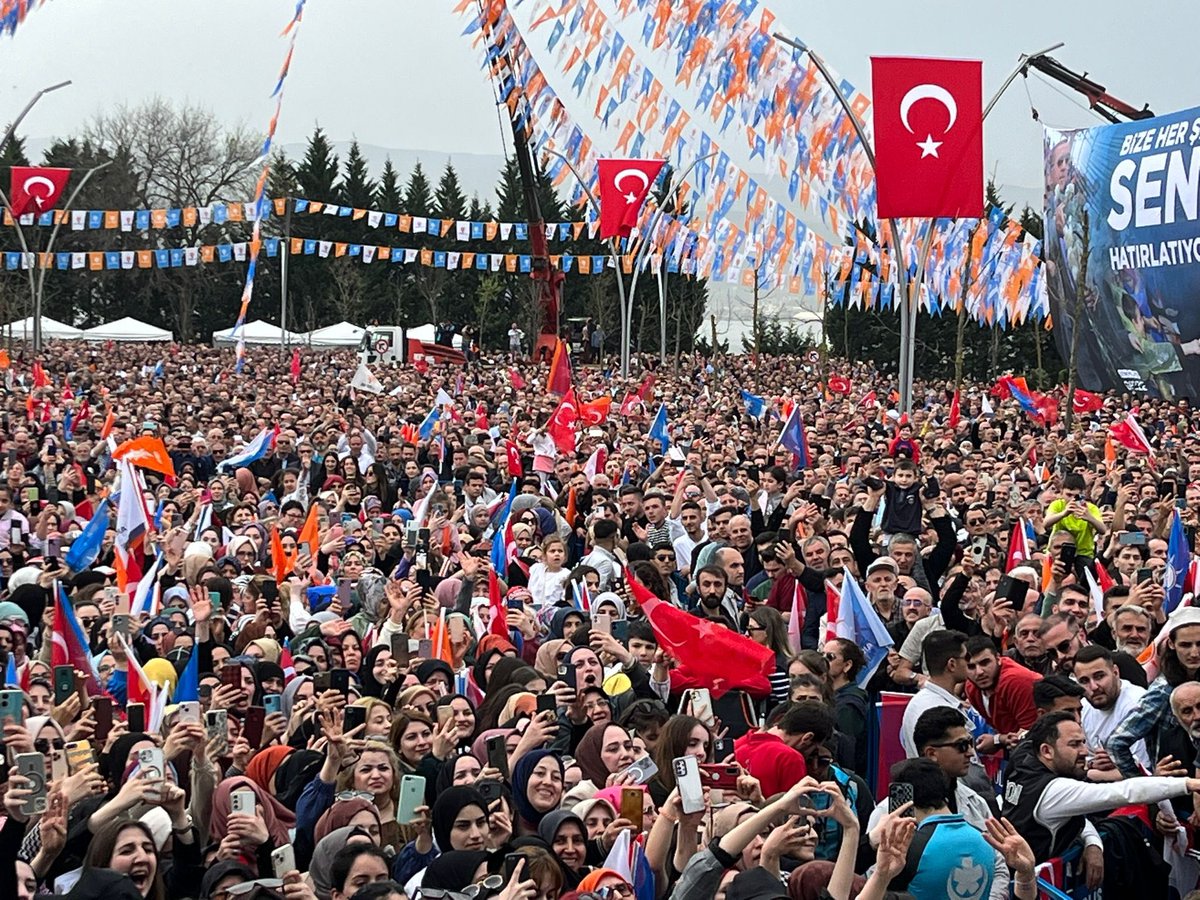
x=407, y=653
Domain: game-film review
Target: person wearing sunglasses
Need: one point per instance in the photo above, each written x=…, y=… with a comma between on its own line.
x=942, y=735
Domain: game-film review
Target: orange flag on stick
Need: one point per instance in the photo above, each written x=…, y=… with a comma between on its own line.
x=308, y=531
x=280, y=560
x=147, y=452
x=560, y=371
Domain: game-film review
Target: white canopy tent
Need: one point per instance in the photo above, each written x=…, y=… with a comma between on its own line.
x=256, y=332
x=127, y=329
x=343, y=334
x=52, y=330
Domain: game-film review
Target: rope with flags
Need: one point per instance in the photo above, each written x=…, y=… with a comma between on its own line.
x=260, y=191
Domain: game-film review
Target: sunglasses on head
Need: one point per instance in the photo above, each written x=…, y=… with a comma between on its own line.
x=237, y=890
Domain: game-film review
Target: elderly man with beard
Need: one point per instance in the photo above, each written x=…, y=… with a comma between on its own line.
x=1131, y=629
x=1185, y=705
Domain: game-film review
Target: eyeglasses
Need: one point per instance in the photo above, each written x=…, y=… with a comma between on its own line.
x=830, y=657
x=976, y=521
x=664, y=557
x=823, y=762
x=42, y=745
x=615, y=890
x=753, y=627
x=912, y=601
x=962, y=745
x=353, y=795
x=237, y=890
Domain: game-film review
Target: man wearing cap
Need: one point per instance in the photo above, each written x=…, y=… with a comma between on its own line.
x=881, y=581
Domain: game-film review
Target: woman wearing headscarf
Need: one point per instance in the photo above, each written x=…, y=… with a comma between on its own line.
x=462, y=714
x=253, y=835
x=566, y=836
x=320, y=868
x=605, y=749
x=375, y=675
x=458, y=821
x=455, y=870
x=537, y=782
x=355, y=813
x=546, y=661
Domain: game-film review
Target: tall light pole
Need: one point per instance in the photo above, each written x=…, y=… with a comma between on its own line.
x=640, y=258
x=12, y=129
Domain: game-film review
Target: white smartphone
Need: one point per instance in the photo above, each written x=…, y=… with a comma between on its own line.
x=189, y=712
x=283, y=860
x=412, y=795
x=602, y=622
x=152, y=764
x=687, y=777
x=242, y=802
x=702, y=708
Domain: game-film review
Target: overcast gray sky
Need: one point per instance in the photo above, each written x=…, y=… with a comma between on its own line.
x=396, y=73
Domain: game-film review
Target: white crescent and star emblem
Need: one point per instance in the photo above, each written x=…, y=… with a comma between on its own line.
x=631, y=197
x=39, y=198
x=929, y=147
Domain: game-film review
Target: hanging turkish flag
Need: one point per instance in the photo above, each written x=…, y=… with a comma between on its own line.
x=955, y=411
x=624, y=184
x=561, y=427
x=36, y=189
x=928, y=136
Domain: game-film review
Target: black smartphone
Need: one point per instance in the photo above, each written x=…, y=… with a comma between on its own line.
x=64, y=683
x=102, y=710
x=820, y=501
x=1013, y=590
x=547, y=703
x=1144, y=575
x=355, y=715
x=270, y=591
x=490, y=789
x=899, y=793
x=1166, y=488
x=721, y=748
x=511, y=861
x=322, y=682
x=135, y=714
x=1066, y=555
x=339, y=680
x=497, y=754
x=252, y=725
x=873, y=483
x=932, y=489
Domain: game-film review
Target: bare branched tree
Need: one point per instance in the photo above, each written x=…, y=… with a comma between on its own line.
x=183, y=155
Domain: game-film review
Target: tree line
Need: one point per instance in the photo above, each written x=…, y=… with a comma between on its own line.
x=160, y=154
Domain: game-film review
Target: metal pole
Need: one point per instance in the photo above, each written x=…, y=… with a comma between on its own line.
x=626, y=317
x=639, y=258
x=35, y=323
x=662, y=315
x=12, y=128
x=283, y=273
x=41, y=277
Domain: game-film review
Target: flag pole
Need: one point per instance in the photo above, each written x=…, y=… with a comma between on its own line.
x=626, y=316
x=908, y=312
x=640, y=257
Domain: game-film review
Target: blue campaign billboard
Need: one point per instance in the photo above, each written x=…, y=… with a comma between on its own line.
x=1135, y=186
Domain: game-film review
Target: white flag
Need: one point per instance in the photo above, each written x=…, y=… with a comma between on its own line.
x=363, y=380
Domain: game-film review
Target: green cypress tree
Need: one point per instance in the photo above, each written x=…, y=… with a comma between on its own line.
x=449, y=201
x=388, y=195
x=358, y=190
x=317, y=174
x=418, y=196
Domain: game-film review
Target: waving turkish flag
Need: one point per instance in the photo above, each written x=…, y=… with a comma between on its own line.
x=561, y=427
x=624, y=184
x=1086, y=401
x=36, y=189
x=928, y=136
x=595, y=411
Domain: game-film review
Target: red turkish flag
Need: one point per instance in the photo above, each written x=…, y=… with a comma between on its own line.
x=1086, y=401
x=839, y=384
x=512, y=455
x=35, y=188
x=624, y=184
x=708, y=653
x=595, y=411
x=955, y=411
x=561, y=426
x=928, y=136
